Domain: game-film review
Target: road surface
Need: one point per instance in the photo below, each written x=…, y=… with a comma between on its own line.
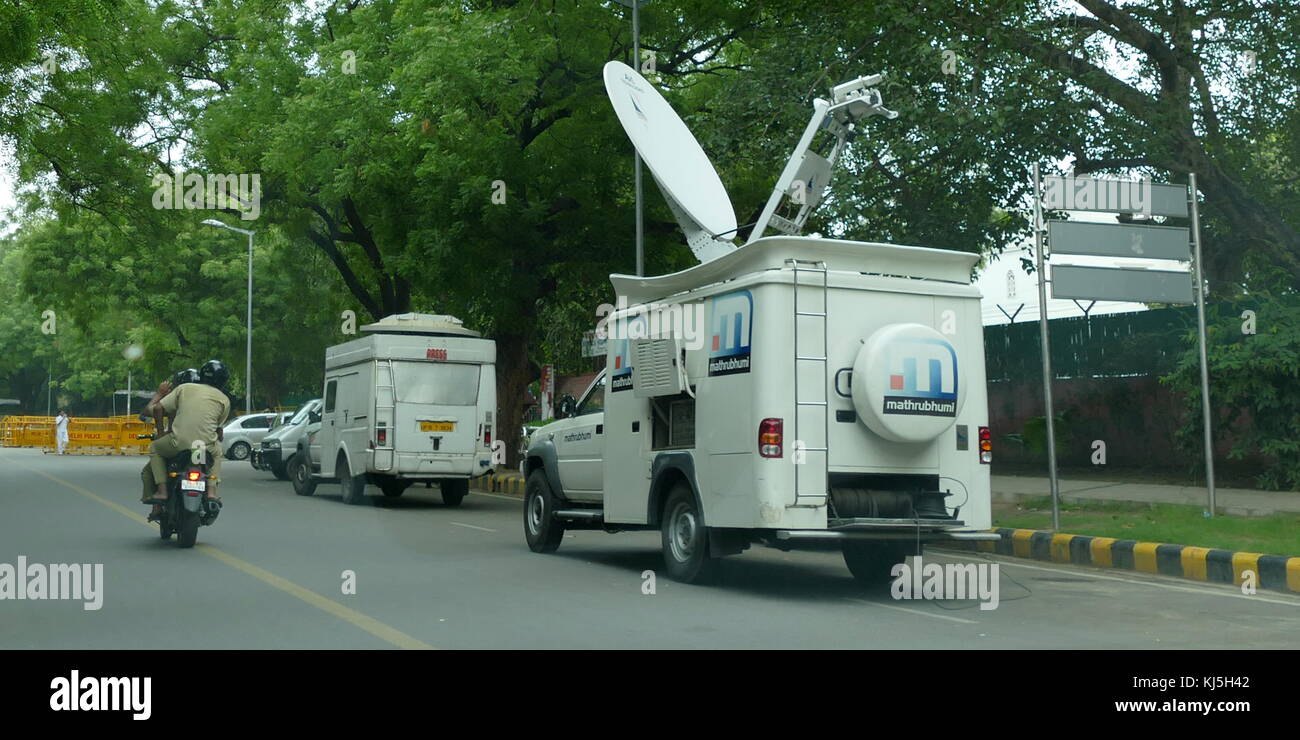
x=270, y=574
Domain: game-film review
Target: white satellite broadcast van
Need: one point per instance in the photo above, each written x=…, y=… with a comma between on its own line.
x=789, y=390
x=411, y=402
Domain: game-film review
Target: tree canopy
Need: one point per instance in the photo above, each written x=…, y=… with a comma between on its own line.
x=461, y=157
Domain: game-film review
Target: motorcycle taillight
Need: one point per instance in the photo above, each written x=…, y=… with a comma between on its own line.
x=194, y=475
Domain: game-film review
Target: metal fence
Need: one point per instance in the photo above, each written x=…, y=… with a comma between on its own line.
x=1123, y=344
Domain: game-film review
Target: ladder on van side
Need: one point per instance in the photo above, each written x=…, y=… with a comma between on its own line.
x=385, y=414
x=811, y=474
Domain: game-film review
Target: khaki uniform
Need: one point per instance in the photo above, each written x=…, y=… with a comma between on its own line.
x=198, y=411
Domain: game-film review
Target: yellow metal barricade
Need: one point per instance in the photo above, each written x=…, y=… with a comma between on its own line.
x=128, y=444
x=114, y=435
x=36, y=431
x=92, y=436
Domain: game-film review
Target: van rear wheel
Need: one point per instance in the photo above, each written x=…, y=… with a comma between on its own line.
x=870, y=562
x=685, y=538
x=353, y=486
x=453, y=491
x=542, y=530
x=394, y=488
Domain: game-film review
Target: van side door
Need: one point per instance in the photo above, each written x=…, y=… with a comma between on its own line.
x=326, y=442
x=580, y=445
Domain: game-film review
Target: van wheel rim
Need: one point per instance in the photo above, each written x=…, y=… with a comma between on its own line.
x=536, y=514
x=682, y=531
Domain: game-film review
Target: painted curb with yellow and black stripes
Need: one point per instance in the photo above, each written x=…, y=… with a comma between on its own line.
x=508, y=484
x=1275, y=572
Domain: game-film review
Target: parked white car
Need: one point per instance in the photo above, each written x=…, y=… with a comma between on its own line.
x=242, y=434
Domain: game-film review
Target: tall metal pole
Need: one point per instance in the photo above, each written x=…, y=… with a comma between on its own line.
x=128, y=391
x=1047, y=359
x=1200, y=322
x=636, y=64
x=248, y=349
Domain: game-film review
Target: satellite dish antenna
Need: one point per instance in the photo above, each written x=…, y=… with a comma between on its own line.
x=679, y=165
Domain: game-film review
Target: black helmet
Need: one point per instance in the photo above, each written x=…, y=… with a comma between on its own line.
x=189, y=375
x=214, y=373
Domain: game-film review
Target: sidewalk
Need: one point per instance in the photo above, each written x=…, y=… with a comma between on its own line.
x=1231, y=501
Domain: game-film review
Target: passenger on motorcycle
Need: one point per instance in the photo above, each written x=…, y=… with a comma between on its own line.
x=198, y=412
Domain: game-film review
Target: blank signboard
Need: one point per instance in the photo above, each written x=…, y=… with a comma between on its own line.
x=1119, y=240
x=1121, y=284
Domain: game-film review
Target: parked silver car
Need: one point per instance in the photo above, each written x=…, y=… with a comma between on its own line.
x=279, y=445
x=243, y=433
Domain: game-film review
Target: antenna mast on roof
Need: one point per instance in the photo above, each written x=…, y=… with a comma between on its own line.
x=807, y=173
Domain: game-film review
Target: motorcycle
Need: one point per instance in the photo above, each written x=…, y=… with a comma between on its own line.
x=186, y=508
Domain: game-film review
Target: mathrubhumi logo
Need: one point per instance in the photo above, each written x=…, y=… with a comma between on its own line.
x=927, y=406
x=911, y=391
x=731, y=324
x=26, y=581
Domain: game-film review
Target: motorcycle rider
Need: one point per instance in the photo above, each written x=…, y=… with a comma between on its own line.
x=198, y=411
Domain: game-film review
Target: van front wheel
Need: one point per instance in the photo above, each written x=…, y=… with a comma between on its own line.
x=871, y=562
x=300, y=473
x=541, y=529
x=686, y=539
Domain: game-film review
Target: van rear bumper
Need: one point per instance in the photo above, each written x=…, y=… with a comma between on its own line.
x=430, y=466
x=929, y=530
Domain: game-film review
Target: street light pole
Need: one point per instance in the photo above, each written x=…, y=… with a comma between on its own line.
x=635, y=5
x=640, y=223
x=248, y=340
x=248, y=348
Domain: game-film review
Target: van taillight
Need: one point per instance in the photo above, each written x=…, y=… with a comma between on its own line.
x=382, y=435
x=986, y=445
x=770, y=436
x=487, y=435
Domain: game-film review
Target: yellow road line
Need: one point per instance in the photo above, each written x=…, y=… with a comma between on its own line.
x=353, y=617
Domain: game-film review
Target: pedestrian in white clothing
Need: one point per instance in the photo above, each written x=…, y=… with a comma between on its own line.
x=61, y=430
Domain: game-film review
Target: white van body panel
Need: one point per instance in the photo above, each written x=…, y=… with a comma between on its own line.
x=746, y=303
x=433, y=397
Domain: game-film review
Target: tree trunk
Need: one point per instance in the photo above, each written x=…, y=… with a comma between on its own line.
x=514, y=372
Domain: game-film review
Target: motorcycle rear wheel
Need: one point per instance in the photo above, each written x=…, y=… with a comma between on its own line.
x=188, y=532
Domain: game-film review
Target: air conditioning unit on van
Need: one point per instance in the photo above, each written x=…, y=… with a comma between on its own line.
x=654, y=368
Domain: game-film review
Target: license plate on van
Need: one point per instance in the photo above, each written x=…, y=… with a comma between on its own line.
x=437, y=426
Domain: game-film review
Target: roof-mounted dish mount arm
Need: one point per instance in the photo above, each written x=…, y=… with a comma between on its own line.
x=807, y=173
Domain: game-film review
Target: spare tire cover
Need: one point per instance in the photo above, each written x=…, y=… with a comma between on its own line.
x=907, y=383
